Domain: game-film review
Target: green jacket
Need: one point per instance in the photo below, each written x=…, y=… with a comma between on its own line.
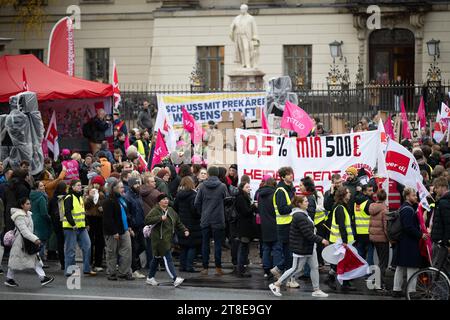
x=41, y=220
x=163, y=231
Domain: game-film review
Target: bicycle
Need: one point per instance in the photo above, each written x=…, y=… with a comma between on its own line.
x=431, y=283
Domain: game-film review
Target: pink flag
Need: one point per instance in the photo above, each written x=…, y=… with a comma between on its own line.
x=424, y=245
x=160, y=150
x=195, y=129
x=61, y=48
x=296, y=119
x=406, y=133
x=116, y=90
x=127, y=143
x=421, y=114
x=264, y=123
x=389, y=128
x=24, y=81
x=142, y=163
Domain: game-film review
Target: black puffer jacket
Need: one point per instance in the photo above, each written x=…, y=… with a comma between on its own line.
x=267, y=214
x=301, y=235
x=441, y=220
x=246, y=216
x=184, y=206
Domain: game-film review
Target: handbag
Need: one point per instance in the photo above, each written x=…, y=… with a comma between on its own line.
x=29, y=246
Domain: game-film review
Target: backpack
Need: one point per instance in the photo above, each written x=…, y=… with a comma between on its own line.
x=230, y=209
x=394, y=225
x=61, y=209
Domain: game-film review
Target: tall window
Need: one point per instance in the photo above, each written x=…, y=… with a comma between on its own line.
x=97, y=64
x=38, y=53
x=298, y=64
x=211, y=63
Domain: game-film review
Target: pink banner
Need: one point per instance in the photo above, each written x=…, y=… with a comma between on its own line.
x=295, y=119
x=421, y=114
x=264, y=123
x=61, y=52
x=389, y=128
x=160, y=150
x=406, y=133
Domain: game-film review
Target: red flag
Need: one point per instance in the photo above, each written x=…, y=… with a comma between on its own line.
x=143, y=165
x=424, y=245
x=61, y=50
x=406, y=133
x=389, y=128
x=195, y=129
x=296, y=119
x=51, y=137
x=421, y=114
x=351, y=266
x=264, y=123
x=116, y=90
x=24, y=81
x=160, y=150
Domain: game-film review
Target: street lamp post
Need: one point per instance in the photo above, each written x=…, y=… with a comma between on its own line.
x=336, y=51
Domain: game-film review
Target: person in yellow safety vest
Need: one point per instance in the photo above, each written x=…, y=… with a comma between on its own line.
x=140, y=144
x=74, y=225
x=282, y=202
x=341, y=228
x=362, y=219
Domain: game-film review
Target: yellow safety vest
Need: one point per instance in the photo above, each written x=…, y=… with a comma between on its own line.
x=361, y=218
x=281, y=219
x=335, y=234
x=78, y=213
x=141, y=148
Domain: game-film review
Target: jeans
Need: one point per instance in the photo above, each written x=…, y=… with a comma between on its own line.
x=97, y=240
x=168, y=262
x=138, y=246
x=71, y=238
x=297, y=265
x=243, y=254
x=287, y=256
x=365, y=250
x=118, y=250
x=272, y=255
x=187, y=257
x=217, y=235
x=383, y=258
x=42, y=249
x=148, y=251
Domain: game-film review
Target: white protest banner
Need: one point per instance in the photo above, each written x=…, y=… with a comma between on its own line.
x=259, y=154
x=209, y=106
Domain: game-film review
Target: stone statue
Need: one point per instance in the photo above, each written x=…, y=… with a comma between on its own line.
x=245, y=37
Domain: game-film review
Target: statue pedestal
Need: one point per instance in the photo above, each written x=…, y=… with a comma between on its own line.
x=246, y=79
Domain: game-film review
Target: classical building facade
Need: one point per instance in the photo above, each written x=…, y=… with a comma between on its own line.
x=162, y=42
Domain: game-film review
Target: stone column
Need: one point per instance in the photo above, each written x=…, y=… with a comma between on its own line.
x=417, y=21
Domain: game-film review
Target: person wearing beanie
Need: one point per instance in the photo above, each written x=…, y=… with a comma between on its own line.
x=135, y=205
x=233, y=177
x=165, y=222
x=93, y=204
x=354, y=186
x=210, y=203
x=162, y=183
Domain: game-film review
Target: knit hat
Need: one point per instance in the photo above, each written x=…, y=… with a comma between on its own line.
x=161, y=196
x=96, y=164
x=213, y=171
x=162, y=173
x=266, y=177
x=65, y=152
x=133, y=181
x=352, y=170
x=98, y=180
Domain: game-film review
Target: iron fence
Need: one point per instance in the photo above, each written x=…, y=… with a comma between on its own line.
x=349, y=102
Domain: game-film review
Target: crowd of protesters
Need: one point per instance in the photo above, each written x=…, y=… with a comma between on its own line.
x=116, y=209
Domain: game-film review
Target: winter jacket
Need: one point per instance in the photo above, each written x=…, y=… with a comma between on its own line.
x=41, y=220
x=98, y=130
x=174, y=181
x=245, y=216
x=18, y=258
x=149, y=197
x=93, y=209
x=112, y=217
x=328, y=202
x=50, y=185
x=351, y=185
x=163, y=187
x=284, y=209
x=145, y=120
x=267, y=214
x=302, y=233
x=14, y=191
x=406, y=250
x=378, y=222
x=184, y=206
x=210, y=203
x=135, y=205
x=441, y=220
x=163, y=231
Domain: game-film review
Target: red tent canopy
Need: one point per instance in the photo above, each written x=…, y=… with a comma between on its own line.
x=47, y=83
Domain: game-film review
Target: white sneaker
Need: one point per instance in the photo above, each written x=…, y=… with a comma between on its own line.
x=178, y=281
x=292, y=284
x=276, y=272
x=275, y=290
x=98, y=269
x=319, y=294
x=152, y=282
x=138, y=275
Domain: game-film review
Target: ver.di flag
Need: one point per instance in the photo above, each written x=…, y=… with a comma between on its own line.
x=61, y=49
x=164, y=124
x=296, y=119
x=389, y=129
x=51, y=137
x=406, y=133
x=160, y=151
x=421, y=114
x=189, y=124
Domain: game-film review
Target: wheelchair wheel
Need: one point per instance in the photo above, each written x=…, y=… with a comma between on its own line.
x=428, y=284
